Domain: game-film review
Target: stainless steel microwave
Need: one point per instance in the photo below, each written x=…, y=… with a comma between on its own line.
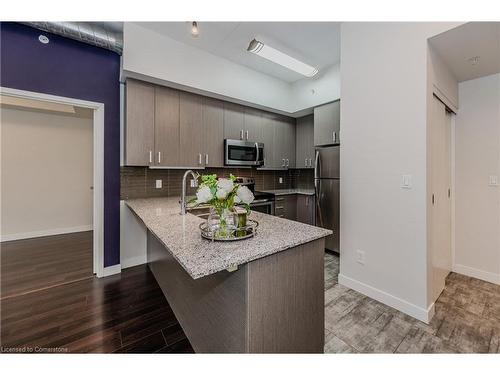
x=238, y=152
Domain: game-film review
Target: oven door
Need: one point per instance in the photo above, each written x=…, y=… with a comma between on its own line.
x=238, y=152
x=265, y=206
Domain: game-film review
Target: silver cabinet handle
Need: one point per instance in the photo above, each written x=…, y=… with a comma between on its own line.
x=334, y=137
x=246, y=135
x=310, y=162
x=283, y=163
x=264, y=160
x=305, y=162
x=287, y=162
x=150, y=156
x=280, y=199
x=279, y=207
x=206, y=159
x=159, y=157
x=199, y=159
x=256, y=152
x=241, y=134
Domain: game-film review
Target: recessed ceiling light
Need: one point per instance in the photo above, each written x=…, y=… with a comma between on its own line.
x=281, y=58
x=194, y=29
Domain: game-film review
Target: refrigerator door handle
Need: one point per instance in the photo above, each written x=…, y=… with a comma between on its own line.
x=316, y=165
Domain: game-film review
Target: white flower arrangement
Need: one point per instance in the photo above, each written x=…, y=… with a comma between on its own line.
x=223, y=193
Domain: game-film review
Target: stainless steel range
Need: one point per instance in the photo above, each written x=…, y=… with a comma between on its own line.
x=264, y=202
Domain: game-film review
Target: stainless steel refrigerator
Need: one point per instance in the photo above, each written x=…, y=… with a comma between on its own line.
x=327, y=190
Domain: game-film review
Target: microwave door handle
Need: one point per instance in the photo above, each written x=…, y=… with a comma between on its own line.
x=256, y=153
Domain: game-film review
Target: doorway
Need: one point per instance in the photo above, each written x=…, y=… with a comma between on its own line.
x=52, y=191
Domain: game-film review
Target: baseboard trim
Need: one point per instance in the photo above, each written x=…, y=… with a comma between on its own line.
x=477, y=273
x=111, y=270
x=45, y=233
x=132, y=262
x=425, y=315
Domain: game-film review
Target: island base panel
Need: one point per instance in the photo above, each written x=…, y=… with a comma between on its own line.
x=274, y=304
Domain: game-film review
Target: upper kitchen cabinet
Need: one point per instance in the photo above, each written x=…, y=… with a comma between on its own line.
x=253, y=125
x=327, y=124
x=283, y=142
x=234, y=121
x=191, y=131
x=139, y=118
x=304, y=151
x=166, y=132
x=268, y=140
x=213, y=124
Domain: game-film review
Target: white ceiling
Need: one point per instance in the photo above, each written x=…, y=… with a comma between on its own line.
x=315, y=43
x=462, y=43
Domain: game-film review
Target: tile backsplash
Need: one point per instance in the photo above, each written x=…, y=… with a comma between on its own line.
x=140, y=182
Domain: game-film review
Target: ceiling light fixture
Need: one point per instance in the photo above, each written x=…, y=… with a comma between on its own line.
x=281, y=58
x=194, y=29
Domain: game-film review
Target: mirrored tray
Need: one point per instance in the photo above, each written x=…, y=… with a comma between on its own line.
x=233, y=234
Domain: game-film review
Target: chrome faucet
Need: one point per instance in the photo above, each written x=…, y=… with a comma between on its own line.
x=183, y=196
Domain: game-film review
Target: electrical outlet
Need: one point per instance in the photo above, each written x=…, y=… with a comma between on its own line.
x=493, y=181
x=194, y=183
x=280, y=180
x=360, y=257
x=158, y=184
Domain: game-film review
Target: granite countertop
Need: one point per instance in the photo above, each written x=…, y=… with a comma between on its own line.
x=200, y=257
x=289, y=191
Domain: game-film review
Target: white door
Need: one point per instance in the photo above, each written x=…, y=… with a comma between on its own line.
x=440, y=154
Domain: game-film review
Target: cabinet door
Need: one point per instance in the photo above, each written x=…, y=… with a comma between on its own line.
x=279, y=143
x=234, y=121
x=305, y=209
x=268, y=139
x=139, y=123
x=253, y=125
x=213, y=122
x=166, y=127
x=290, y=204
x=305, y=142
x=192, y=131
x=327, y=124
x=290, y=140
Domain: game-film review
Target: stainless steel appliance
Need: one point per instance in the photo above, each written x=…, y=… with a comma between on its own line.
x=263, y=202
x=238, y=152
x=327, y=189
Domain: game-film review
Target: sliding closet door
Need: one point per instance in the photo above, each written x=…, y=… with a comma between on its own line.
x=440, y=155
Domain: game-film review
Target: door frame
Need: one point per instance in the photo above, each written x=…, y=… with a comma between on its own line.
x=98, y=163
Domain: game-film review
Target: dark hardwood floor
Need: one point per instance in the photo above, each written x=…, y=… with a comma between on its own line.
x=122, y=313
x=38, y=263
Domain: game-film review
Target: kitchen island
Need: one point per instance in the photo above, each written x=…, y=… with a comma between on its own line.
x=261, y=295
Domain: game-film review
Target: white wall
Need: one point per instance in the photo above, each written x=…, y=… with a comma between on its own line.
x=445, y=84
x=477, y=153
x=383, y=122
x=46, y=173
x=159, y=59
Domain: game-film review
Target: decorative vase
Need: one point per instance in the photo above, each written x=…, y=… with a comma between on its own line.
x=221, y=222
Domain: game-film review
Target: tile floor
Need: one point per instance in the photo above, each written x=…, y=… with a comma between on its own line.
x=467, y=319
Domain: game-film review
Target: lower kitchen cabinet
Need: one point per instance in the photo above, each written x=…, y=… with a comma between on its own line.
x=296, y=207
x=286, y=206
x=306, y=209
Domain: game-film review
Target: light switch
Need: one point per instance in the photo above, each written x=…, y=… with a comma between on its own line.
x=280, y=180
x=406, y=181
x=158, y=184
x=493, y=180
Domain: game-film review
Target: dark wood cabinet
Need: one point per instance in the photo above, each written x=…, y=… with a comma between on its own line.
x=327, y=124
x=139, y=120
x=306, y=209
x=304, y=151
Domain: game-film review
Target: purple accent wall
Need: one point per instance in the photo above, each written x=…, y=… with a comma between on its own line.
x=77, y=70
